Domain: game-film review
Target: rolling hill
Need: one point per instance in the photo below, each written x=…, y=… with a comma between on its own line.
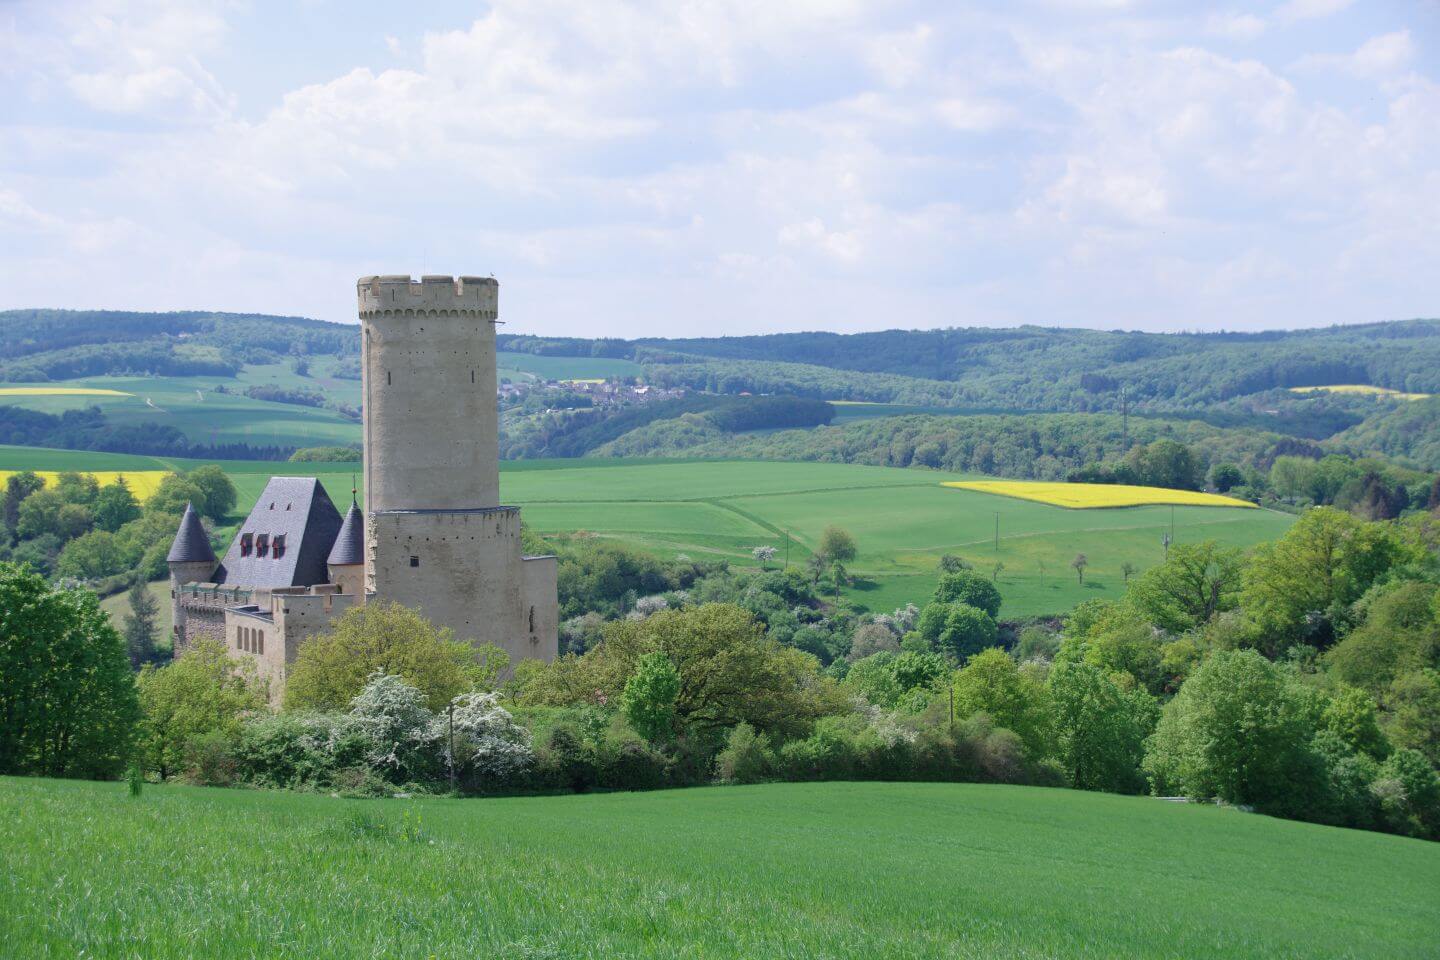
x=782, y=870
x=903, y=520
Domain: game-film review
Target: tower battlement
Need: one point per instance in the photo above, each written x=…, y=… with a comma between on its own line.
x=398, y=295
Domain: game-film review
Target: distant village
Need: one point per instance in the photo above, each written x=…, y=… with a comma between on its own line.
x=616, y=391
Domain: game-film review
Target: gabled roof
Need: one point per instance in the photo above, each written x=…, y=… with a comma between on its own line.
x=349, y=546
x=191, y=544
x=299, y=509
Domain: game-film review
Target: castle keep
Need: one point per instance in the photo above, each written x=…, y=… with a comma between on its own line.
x=433, y=535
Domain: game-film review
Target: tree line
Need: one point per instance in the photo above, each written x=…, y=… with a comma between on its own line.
x=1301, y=679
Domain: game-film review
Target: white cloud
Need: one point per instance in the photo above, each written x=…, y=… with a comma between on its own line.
x=757, y=165
x=1310, y=9
x=1376, y=58
x=1235, y=26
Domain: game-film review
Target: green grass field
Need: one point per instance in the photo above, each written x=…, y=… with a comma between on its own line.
x=784, y=870
x=526, y=366
x=903, y=520
x=191, y=405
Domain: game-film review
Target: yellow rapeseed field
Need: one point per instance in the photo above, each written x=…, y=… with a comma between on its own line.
x=1361, y=388
x=1087, y=496
x=142, y=483
x=61, y=392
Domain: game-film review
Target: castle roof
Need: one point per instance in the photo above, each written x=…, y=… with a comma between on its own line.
x=191, y=544
x=349, y=546
x=296, y=514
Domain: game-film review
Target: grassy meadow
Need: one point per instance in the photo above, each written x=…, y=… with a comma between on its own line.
x=781, y=870
x=192, y=405
x=530, y=366
x=903, y=520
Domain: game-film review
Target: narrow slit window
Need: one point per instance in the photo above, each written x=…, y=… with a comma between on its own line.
x=414, y=561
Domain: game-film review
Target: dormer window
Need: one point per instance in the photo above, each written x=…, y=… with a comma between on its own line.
x=247, y=544
x=279, y=544
x=262, y=545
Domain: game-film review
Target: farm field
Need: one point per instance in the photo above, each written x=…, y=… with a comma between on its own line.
x=142, y=483
x=781, y=870
x=1362, y=388
x=531, y=366
x=903, y=520
x=192, y=405
x=1093, y=496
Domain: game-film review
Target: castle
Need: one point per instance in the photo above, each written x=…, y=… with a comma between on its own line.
x=433, y=535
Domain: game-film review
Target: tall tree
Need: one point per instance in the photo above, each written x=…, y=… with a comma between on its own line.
x=115, y=506
x=140, y=624
x=1196, y=582
x=18, y=486
x=1324, y=562
x=837, y=545
x=67, y=695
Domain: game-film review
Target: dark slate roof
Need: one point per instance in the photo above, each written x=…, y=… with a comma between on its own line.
x=350, y=543
x=299, y=509
x=191, y=544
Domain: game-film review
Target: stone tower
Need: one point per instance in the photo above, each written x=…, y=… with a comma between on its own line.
x=436, y=536
x=191, y=560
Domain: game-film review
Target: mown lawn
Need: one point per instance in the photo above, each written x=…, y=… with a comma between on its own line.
x=785, y=870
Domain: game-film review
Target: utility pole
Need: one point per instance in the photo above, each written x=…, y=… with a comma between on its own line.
x=997, y=531
x=1124, y=417
x=787, y=549
x=452, y=746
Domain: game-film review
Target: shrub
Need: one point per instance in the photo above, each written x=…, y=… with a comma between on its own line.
x=747, y=757
x=491, y=750
x=402, y=737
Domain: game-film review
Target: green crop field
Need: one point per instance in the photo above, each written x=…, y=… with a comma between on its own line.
x=903, y=520
x=192, y=405
x=858, y=870
x=526, y=366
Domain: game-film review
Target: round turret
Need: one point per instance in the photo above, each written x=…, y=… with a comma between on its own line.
x=430, y=411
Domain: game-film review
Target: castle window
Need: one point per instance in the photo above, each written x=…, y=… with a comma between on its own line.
x=532, y=619
x=279, y=545
x=262, y=545
x=260, y=641
x=388, y=379
x=414, y=561
x=247, y=544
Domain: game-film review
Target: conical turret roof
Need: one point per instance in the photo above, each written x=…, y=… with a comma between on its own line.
x=191, y=543
x=349, y=546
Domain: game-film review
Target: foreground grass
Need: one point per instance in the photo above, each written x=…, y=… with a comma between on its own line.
x=786, y=870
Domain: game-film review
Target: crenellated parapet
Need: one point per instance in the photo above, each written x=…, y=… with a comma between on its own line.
x=438, y=296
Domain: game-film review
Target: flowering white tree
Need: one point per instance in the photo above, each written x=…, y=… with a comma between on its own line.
x=646, y=606
x=396, y=723
x=489, y=745
x=763, y=555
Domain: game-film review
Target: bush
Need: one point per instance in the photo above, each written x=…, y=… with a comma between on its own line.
x=747, y=757
x=491, y=750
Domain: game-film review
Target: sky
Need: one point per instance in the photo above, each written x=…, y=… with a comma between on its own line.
x=731, y=166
